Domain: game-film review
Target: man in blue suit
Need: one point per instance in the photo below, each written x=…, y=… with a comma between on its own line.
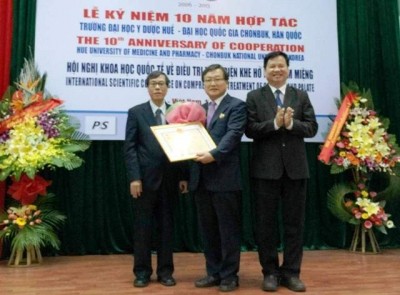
x=279, y=118
x=153, y=184
x=217, y=181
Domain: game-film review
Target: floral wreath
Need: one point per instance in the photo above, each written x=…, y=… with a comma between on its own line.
x=358, y=141
x=35, y=134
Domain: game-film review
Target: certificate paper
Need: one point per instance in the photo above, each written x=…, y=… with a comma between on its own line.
x=183, y=141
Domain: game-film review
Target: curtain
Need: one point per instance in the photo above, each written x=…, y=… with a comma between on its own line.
x=5, y=58
x=23, y=45
x=96, y=199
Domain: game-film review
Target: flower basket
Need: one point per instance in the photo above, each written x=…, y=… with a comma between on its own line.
x=29, y=227
x=358, y=142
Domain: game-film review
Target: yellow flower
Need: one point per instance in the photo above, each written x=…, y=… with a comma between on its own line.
x=364, y=216
x=374, y=123
x=32, y=207
x=364, y=194
x=20, y=222
x=372, y=208
x=369, y=207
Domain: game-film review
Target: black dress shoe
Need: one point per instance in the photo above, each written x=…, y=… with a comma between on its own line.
x=207, y=281
x=141, y=282
x=227, y=286
x=294, y=284
x=166, y=281
x=270, y=283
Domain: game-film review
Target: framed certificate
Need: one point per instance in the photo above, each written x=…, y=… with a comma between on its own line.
x=183, y=141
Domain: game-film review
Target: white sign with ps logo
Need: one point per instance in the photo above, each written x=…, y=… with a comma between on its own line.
x=100, y=125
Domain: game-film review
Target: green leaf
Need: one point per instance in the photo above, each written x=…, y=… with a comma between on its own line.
x=335, y=201
x=5, y=173
x=392, y=190
x=76, y=146
x=336, y=169
x=382, y=229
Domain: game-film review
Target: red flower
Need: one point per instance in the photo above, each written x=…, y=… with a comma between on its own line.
x=27, y=189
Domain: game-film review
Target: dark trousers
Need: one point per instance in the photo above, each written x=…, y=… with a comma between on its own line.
x=220, y=224
x=290, y=196
x=153, y=206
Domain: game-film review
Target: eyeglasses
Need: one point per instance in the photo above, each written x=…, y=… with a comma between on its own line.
x=216, y=80
x=159, y=84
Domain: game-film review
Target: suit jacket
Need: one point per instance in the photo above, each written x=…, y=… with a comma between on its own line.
x=145, y=159
x=276, y=151
x=226, y=129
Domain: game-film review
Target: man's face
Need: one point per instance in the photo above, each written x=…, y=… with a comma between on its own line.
x=276, y=71
x=157, y=89
x=214, y=84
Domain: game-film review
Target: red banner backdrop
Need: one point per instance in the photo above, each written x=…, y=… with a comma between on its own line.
x=6, y=24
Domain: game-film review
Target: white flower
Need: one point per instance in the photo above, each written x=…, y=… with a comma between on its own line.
x=389, y=224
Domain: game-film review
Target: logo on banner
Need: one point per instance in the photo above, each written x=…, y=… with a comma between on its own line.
x=99, y=125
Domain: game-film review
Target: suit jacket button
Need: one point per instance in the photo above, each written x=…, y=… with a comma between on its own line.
x=283, y=144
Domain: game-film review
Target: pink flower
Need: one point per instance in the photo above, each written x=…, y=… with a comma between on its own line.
x=368, y=224
x=340, y=144
x=361, y=185
x=186, y=112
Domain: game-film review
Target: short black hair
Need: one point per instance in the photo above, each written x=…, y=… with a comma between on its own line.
x=154, y=75
x=214, y=67
x=275, y=54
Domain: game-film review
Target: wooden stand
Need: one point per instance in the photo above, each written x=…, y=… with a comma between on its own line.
x=364, y=241
x=30, y=256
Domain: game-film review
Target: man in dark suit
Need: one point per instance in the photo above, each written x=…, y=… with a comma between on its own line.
x=153, y=184
x=279, y=170
x=217, y=181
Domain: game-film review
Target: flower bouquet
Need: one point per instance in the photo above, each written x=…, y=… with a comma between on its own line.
x=186, y=112
x=35, y=134
x=358, y=142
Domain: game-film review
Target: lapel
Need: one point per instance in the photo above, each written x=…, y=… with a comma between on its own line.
x=289, y=96
x=220, y=110
x=269, y=101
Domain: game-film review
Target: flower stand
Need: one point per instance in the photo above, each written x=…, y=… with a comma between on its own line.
x=364, y=241
x=29, y=256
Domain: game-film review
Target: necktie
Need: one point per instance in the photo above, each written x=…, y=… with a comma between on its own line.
x=158, y=117
x=210, y=112
x=277, y=98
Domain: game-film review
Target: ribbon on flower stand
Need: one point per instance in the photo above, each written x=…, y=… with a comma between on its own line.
x=337, y=126
x=2, y=199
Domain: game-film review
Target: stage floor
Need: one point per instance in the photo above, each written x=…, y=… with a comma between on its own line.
x=325, y=272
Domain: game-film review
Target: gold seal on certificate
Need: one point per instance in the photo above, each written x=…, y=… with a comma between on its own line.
x=183, y=141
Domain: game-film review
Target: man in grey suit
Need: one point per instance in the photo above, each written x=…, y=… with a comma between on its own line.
x=153, y=184
x=216, y=178
x=279, y=170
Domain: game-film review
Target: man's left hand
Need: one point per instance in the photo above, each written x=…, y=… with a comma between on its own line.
x=288, y=117
x=204, y=158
